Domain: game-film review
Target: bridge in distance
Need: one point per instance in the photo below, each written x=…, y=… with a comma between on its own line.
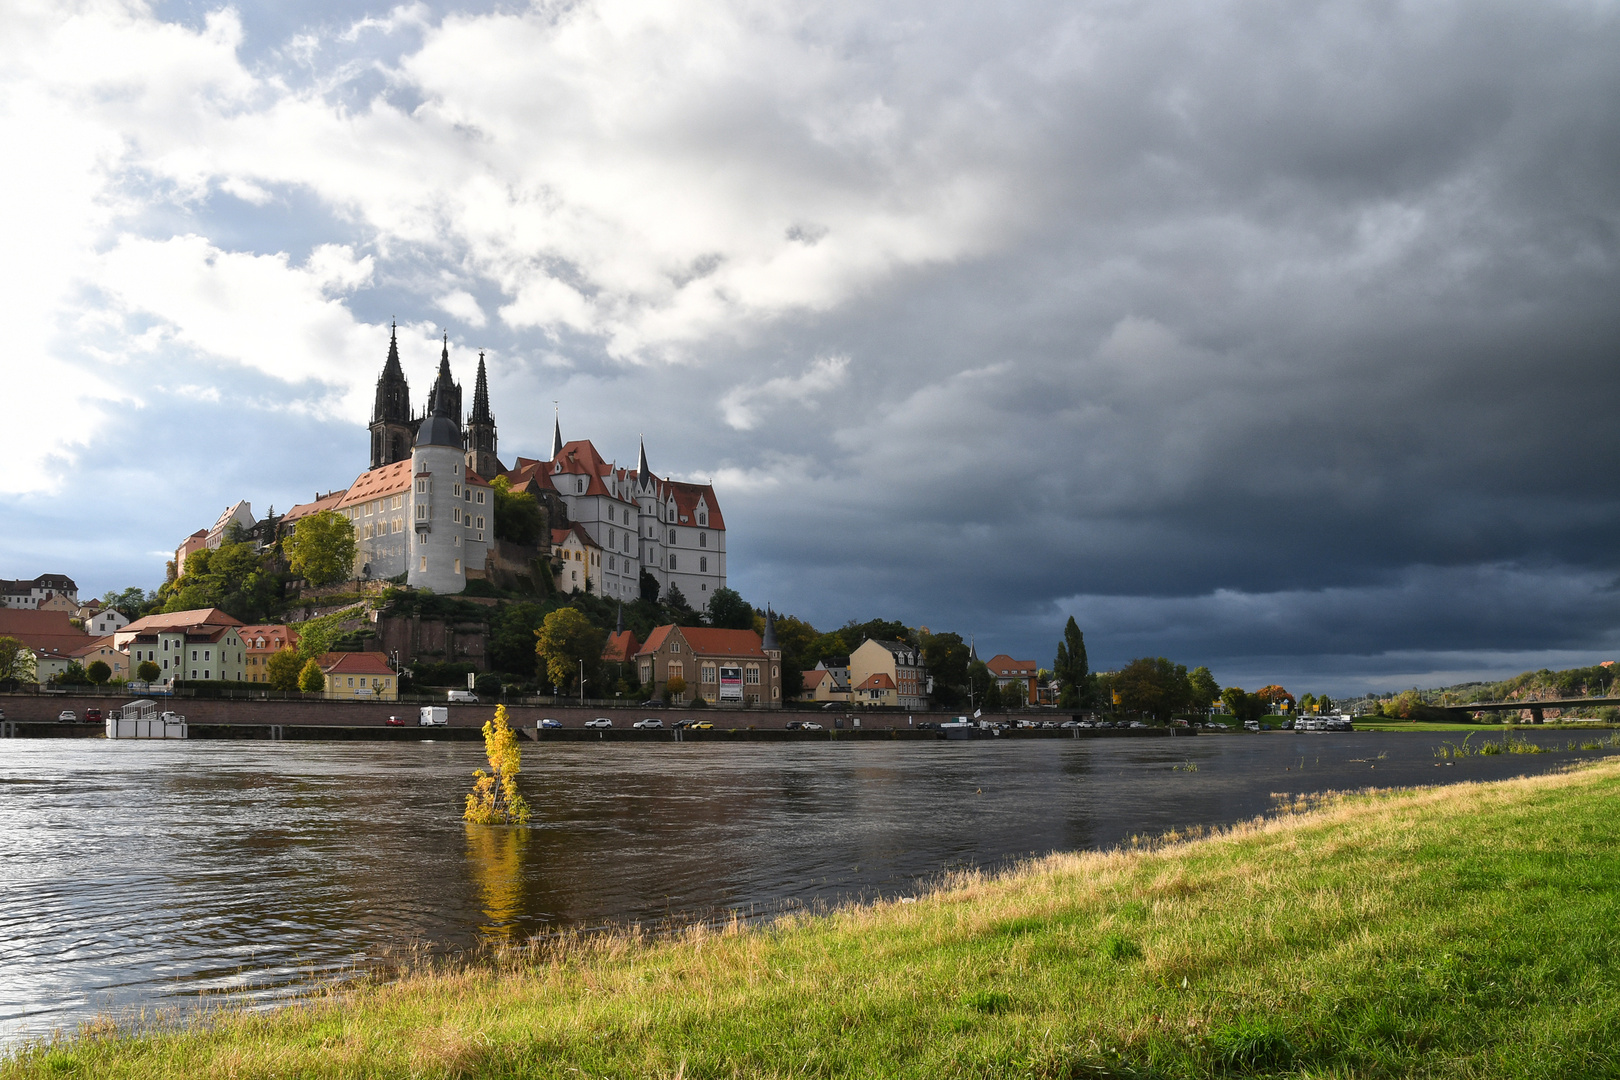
x=1535, y=707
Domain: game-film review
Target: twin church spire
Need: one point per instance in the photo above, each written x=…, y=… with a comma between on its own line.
x=394, y=425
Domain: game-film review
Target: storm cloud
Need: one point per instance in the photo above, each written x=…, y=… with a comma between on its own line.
x=1276, y=337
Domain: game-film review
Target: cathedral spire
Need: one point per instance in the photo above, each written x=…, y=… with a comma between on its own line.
x=392, y=426
x=643, y=474
x=556, y=434
x=480, y=409
x=445, y=397
x=768, y=644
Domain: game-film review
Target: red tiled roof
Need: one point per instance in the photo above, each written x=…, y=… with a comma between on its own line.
x=181, y=620
x=373, y=483
x=560, y=536
x=579, y=458
x=329, y=501
x=621, y=646
x=813, y=677
x=271, y=632
x=49, y=631
x=1002, y=664
x=706, y=641
x=355, y=663
x=686, y=498
x=878, y=680
x=95, y=645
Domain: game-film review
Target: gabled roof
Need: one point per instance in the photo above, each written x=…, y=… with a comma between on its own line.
x=579, y=458
x=271, y=632
x=621, y=646
x=814, y=677
x=686, y=496
x=373, y=483
x=95, y=645
x=329, y=501
x=560, y=536
x=196, y=618
x=878, y=680
x=355, y=663
x=1002, y=664
x=708, y=641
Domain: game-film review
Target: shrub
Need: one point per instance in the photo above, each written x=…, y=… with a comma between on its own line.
x=98, y=672
x=147, y=670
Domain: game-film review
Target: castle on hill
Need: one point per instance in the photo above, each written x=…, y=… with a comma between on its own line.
x=424, y=507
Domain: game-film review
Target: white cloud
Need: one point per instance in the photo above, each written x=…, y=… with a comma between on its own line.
x=744, y=406
x=462, y=305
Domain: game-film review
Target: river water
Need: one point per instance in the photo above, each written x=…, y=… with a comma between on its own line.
x=138, y=875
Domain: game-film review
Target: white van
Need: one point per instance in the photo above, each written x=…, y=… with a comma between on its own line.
x=463, y=697
x=434, y=716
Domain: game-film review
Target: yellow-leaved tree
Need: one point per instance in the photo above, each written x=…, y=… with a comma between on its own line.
x=495, y=799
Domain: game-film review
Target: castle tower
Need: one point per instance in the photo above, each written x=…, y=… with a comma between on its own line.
x=437, y=560
x=446, y=389
x=480, y=434
x=392, y=426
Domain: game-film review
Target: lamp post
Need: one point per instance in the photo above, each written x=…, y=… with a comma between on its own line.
x=582, y=681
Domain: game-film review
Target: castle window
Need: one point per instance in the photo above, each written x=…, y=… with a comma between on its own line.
x=457, y=492
x=458, y=566
x=480, y=497
x=672, y=562
x=672, y=536
x=480, y=521
x=703, y=518
x=424, y=562
x=421, y=486
x=703, y=539
x=421, y=511
x=703, y=566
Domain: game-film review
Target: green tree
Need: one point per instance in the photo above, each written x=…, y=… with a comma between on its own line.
x=1204, y=688
x=518, y=517
x=565, y=638
x=495, y=799
x=1242, y=705
x=854, y=633
x=728, y=610
x=73, y=675
x=945, y=655
x=11, y=659
x=98, y=672
x=311, y=680
x=678, y=610
x=1072, y=669
x=147, y=671
x=1153, y=686
x=321, y=548
x=283, y=669
x=132, y=603
x=979, y=681
x=511, y=638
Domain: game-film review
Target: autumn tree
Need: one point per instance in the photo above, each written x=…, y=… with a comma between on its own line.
x=674, y=688
x=1153, y=686
x=321, y=548
x=495, y=799
x=283, y=669
x=312, y=680
x=565, y=638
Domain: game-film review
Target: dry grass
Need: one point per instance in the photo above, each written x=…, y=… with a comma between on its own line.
x=1465, y=931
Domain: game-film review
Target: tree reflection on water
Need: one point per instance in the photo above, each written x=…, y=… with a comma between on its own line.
x=495, y=862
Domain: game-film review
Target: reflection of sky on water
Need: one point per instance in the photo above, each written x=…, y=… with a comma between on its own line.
x=140, y=874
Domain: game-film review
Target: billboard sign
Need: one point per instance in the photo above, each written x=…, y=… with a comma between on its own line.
x=731, y=684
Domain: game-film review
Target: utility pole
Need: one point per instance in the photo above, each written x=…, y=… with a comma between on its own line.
x=582, y=682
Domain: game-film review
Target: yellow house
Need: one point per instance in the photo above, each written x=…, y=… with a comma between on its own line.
x=359, y=675
x=579, y=560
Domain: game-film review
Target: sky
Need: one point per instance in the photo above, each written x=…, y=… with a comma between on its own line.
x=1277, y=337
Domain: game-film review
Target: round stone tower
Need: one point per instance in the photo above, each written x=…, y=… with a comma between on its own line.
x=438, y=559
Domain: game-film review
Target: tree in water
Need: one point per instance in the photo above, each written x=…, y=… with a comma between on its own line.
x=495, y=799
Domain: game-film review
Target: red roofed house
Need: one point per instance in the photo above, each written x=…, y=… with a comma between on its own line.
x=359, y=675
x=876, y=689
x=621, y=647
x=102, y=648
x=48, y=635
x=262, y=642
x=200, y=644
x=1019, y=675
x=724, y=667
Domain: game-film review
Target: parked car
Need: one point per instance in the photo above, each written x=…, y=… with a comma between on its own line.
x=549, y=724
x=463, y=697
x=648, y=723
x=794, y=725
x=1251, y=725
x=394, y=721
x=1137, y=724
x=702, y=725
x=652, y=703
x=811, y=725
x=599, y=722
x=92, y=716
x=67, y=716
x=434, y=716
x=1070, y=724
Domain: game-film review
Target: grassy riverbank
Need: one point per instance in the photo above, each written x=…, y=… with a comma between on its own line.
x=1466, y=931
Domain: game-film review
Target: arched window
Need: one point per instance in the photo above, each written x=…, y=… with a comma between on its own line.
x=703, y=538
x=672, y=536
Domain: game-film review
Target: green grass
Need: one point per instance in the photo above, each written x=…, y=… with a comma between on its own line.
x=1465, y=931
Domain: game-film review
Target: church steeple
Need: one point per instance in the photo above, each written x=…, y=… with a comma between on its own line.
x=446, y=392
x=643, y=474
x=392, y=429
x=556, y=436
x=480, y=434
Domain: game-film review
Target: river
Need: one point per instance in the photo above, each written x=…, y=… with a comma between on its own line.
x=141, y=875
